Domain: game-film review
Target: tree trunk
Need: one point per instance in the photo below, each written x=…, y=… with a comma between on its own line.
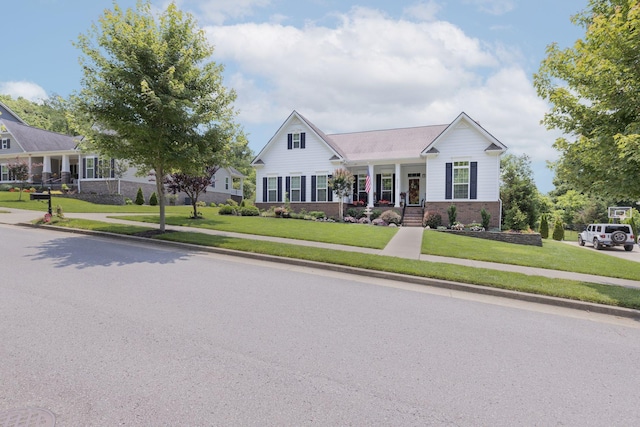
x=161, y=196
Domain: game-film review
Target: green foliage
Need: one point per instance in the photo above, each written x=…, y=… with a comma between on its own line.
x=558, y=230
x=518, y=190
x=432, y=220
x=317, y=214
x=232, y=202
x=249, y=211
x=391, y=217
x=486, y=218
x=341, y=183
x=139, y=197
x=50, y=115
x=153, y=200
x=544, y=227
x=593, y=91
x=148, y=80
x=452, y=213
x=212, y=204
x=227, y=210
x=515, y=219
x=128, y=201
x=5, y=187
x=59, y=212
x=634, y=222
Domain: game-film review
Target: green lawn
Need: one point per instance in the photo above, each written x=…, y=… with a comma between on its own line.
x=602, y=294
x=552, y=255
x=344, y=234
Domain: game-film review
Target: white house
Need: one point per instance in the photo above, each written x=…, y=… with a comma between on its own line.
x=54, y=159
x=427, y=168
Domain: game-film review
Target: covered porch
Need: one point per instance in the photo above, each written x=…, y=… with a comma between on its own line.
x=388, y=185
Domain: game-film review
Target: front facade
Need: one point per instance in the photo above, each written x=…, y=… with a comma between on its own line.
x=55, y=161
x=430, y=167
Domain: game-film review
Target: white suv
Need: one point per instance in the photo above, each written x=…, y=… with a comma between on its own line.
x=602, y=235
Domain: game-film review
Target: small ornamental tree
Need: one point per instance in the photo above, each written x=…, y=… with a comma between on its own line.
x=139, y=197
x=153, y=200
x=544, y=227
x=191, y=185
x=19, y=170
x=342, y=184
x=486, y=218
x=452, y=213
x=558, y=230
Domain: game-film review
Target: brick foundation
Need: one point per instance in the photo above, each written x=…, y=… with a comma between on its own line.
x=467, y=212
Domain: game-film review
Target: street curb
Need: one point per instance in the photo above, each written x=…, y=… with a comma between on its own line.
x=424, y=281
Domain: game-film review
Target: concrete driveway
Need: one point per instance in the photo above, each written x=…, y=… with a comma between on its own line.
x=617, y=251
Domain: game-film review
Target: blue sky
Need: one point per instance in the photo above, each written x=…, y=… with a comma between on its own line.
x=347, y=65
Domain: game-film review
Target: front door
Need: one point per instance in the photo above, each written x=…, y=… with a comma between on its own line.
x=414, y=191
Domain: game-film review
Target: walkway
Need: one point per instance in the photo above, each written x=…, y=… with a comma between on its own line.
x=406, y=243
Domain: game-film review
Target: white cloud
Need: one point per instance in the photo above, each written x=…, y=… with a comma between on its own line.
x=424, y=11
x=24, y=89
x=219, y=11
x=374, y=72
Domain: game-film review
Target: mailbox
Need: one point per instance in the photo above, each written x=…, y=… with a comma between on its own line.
x=42, y=196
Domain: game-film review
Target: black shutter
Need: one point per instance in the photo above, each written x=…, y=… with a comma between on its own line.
x=302, y=139
x=303, y=188
x=113, y=167
x=97, y=168
x=393, y=189
x=473, y=191
x=329, y=190
x=287, y=185
x=448, y=186
x=378, y=186
x=8, y=143
x=84, y=168
x=279, y=189
x=265, y=193
x=289, y=141
x=313, y=188
x=355, y=187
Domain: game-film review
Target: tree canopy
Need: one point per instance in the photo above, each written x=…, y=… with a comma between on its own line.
x=593, y=88
x=518, y=192
x=51, y=114
x=151, y=95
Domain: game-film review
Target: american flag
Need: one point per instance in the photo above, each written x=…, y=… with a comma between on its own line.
x=367, y=184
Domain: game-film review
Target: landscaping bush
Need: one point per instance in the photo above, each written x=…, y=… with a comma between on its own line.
x=432, y=220
x=249, y=211
x=212, y=204
x=227, y=210
x=558, y=230
x=516, y=220
x=5, y=187
x=232, y=202
x=128, y=201
x=391, y=217
x=544, y=227
x=139, y=197
x=375, y=214
x=201, y=204
x=317, y=214
x=153, y=200
x=486, y=218
x=452, y=212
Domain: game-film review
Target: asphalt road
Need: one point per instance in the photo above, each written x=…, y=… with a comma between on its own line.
x=106, y=333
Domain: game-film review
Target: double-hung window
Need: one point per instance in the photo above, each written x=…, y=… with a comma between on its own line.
x=90, y=167
x=295, y=189
x=272, y=189
x=295, y=140
x=226, y=182
x=461, y=180
x=362, y=187
x=4, y=173
x=321, y=188
x=5, y=144
x=387, y=187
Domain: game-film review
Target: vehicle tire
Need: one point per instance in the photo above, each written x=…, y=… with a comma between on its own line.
x=618, y=237
x=596, y=244
x=580, y=241
x=628, y=248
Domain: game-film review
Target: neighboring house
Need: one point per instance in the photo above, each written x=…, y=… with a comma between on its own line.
x=433, y=167
x=54, y=159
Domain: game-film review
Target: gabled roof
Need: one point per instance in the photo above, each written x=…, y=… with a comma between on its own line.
x=8, y=115
x=321, y=135
x=33, y=140
x=464, y=117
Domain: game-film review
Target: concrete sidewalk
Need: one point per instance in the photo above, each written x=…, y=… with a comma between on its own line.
x=407, y=243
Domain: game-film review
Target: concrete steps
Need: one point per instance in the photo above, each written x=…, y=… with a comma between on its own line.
x=412, y=217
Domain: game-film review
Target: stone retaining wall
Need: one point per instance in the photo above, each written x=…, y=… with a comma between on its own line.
x=531, y=239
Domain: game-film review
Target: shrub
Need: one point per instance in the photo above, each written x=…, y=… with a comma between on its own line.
x=317, y=214
x=5, y=187
x=153, y=200
x=544, y=227
x=59, y=212
x=515, y=219
x=249, y=211
x=486, y=218
x=242, y=203
x=227, y=210
x=232, y=202
x=201, y=204
x=128, y=201
x=452, y=212
x=558, y=230
x=139, y=197
x=212, y=205
x=391, y=217
x=375, y=214
x=432, y=220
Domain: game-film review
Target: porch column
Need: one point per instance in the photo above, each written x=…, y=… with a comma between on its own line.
x=29, y=165
x=372, y=178
x=65, y=173
x=396, y=190
x=46, y=169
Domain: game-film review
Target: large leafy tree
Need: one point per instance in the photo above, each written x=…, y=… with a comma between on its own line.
x=518, y=192
x=150, y=94
x=593, y=88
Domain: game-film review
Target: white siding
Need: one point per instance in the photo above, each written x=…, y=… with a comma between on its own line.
x=280, y=161
x=464, y=144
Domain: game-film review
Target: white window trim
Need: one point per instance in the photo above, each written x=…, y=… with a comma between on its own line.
x=458, y=167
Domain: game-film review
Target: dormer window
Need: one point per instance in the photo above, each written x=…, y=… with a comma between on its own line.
x=296, y=140
x=5, y=144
